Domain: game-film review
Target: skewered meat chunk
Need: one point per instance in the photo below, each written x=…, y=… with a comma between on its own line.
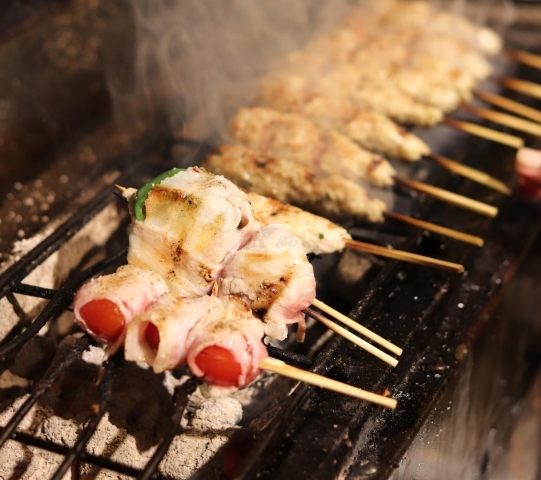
x=332, y=196
x=371, y=130
x=104, y=306
x=225, y=347
x=194, y=222
x=421, y=16
x=272, y=275
x=297, y=139
x=158, y=336
x=317, y=234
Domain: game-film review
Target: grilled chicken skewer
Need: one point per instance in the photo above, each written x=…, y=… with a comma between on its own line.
x=297, y=139
x=334, y=197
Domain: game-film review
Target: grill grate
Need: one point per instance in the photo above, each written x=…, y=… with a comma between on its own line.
x=418, y=308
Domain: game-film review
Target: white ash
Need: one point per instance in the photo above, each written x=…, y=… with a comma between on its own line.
x=55, y=270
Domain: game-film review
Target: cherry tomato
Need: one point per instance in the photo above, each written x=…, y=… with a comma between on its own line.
x=219, y=366
x=103, y=318
x=152, y=336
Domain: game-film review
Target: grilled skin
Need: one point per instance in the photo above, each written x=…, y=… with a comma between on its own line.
x=297, y=139
x=333, y=197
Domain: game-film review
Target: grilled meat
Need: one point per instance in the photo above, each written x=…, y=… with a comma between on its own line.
x=194, y=222
x=332, y=196
x=272, y=275
x=371, y=130
x=297, y=139
x=317, y=234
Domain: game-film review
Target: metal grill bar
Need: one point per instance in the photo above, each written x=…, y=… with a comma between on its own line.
x=73, y=354
x=59, y=302
x=182, y=394
x=104, y=392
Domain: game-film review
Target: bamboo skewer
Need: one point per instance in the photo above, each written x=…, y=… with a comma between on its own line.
x=484, y=132
x=509, y=105
x=525, y=57
x=357, y=327
x=450, y=197
x=404, y=256
x=505, y=119
x=352, y=338
x=432, y=227
x=471, y=173
x=522, y=86
x=282, y=368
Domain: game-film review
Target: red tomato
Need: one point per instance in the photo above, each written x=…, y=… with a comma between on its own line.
x=152, y=336
x=103, y=318
x=219, y=366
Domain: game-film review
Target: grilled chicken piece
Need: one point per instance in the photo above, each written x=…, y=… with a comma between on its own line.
x=272, y=275
x=104, y=306
x=225, y=347
x=296, y=138
x=421, y=16
x=158, y=336
x=333, y=196
x=371, y=130
x=317, y=234
x=194, y=222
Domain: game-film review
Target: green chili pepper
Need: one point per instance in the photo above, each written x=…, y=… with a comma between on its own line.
x=142, y=193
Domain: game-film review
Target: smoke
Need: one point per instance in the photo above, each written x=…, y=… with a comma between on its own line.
x=196, y=61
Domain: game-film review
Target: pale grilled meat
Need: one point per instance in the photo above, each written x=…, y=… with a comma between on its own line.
x=332, y=196
x=296, y=138
x=272, y=275
x=194, y=222
x=371, y=130
x=317, y=234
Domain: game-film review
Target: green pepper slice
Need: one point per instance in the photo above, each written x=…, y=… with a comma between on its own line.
x=142, y=194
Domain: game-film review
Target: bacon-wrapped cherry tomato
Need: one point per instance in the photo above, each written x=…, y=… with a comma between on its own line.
x=104, y=318
x=219, y=366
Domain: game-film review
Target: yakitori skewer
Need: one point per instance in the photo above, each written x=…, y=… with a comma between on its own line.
x=484, y=132
x=450, y=197
x=333, y=326
x=509, y=105
x=471, y=173
x=352, y=338
x=522, y=86
x=505, y=119
x=526, y=58
x=282, y=368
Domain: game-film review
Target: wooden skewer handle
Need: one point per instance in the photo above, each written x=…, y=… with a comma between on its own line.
x=522, y=86
x=450, y=197
x=484, y=132
x=471, y=173
x=525, y=57
x=432, y=227
x=509, y=105
x=357, y=327
x=405, y=256
x=505, y=119
x=353, y=338
x=282, y=368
